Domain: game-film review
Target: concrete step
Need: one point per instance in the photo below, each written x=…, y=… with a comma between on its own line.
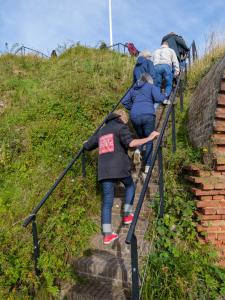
x=94, y=289
x=106, y=267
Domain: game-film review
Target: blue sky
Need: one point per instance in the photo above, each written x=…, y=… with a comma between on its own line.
x=43, y=24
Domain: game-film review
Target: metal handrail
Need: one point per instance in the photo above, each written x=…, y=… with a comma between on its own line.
x=118, y=47
x=32, y=216
x=23, y=49
x=131, y=238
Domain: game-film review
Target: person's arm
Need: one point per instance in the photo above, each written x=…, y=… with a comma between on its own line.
x=182, y=43
x=91, y=143
x=127, y=100
x=175, y=63
x=158, y=97
x=139, y=142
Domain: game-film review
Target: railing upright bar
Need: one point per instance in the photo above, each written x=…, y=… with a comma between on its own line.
x=83, y=164
x=161, y=182
x=35, y=245
x=181, y=92
x=173, y=129
x=134, y=268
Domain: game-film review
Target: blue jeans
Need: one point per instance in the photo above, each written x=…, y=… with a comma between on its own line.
x=108, y=197
x=144, y=125
x=164, y=71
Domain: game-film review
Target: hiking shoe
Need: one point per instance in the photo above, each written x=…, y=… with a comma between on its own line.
x=137, y=157
x=128, y=219
x=108, y=239
x=166, y=102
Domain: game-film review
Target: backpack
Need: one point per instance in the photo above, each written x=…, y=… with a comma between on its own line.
x=132, y=49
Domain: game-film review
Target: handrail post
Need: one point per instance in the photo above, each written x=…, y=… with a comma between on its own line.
x=181, y=94
x=173, y=129
x=134, y=269
x=83, y=162
x=36, y=245
x=161, y=182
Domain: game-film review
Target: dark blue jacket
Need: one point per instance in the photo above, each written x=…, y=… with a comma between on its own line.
x=143, y=65
x=141, y=98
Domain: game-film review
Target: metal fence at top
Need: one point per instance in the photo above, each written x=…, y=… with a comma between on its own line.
x=23, y=50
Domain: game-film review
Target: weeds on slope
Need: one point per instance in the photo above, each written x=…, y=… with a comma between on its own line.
x=50, y=108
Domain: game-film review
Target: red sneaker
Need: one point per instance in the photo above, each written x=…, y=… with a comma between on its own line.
x=110, y=238
x=128, y=219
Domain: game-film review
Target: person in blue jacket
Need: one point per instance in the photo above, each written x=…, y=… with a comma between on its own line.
x=144, y=65
x=140, y=102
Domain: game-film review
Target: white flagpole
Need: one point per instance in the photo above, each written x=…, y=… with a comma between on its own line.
x=110, y=22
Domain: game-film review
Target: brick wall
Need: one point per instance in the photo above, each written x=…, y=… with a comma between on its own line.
x=202, y=109
x=208, y=187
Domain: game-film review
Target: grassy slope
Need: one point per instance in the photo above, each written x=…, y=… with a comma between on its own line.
x=180, y=267
x=51, y=107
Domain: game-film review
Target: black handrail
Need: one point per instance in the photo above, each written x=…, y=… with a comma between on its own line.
x=33, y=214
x=118, y=47
x=131, y=237
x=23, y=49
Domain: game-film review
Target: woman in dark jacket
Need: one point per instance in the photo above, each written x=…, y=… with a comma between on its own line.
x=140, y=101
x=113, y=141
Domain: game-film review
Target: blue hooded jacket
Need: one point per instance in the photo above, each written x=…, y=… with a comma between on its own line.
x=141, y=98
x=143, y=65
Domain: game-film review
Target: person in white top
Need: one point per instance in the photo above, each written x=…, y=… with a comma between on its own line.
x=165, y=62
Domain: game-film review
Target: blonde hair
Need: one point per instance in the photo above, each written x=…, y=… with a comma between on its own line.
x=123, y=115
x=145, y=53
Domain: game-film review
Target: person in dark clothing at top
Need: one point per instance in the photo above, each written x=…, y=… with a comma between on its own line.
x=144, y=65
x=177, y=43
x=140, y=102
x=113, y=141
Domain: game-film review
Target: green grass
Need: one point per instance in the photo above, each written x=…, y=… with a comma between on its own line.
x=180, y=267
x=50, y=108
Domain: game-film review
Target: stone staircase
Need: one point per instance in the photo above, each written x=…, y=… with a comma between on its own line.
x=106, y=269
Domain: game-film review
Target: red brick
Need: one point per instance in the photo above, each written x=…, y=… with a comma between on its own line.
x=221, y=99
x=211, y=236
x=220, y=115
x=209, y=211
x=191, y=167
x=221, y=168
x=210, y=217
x=219, y=128
x=207, y=186
x=206, y=197
x=221, y=236
x=220, y=211
x=222, y=86
x=222, y=263
x=218, y=197
x=211, y=203
x=217, y=243
x=210, y=229
x=216, y=173
x=219, y=186
x=199, y=192
x=214, y=223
